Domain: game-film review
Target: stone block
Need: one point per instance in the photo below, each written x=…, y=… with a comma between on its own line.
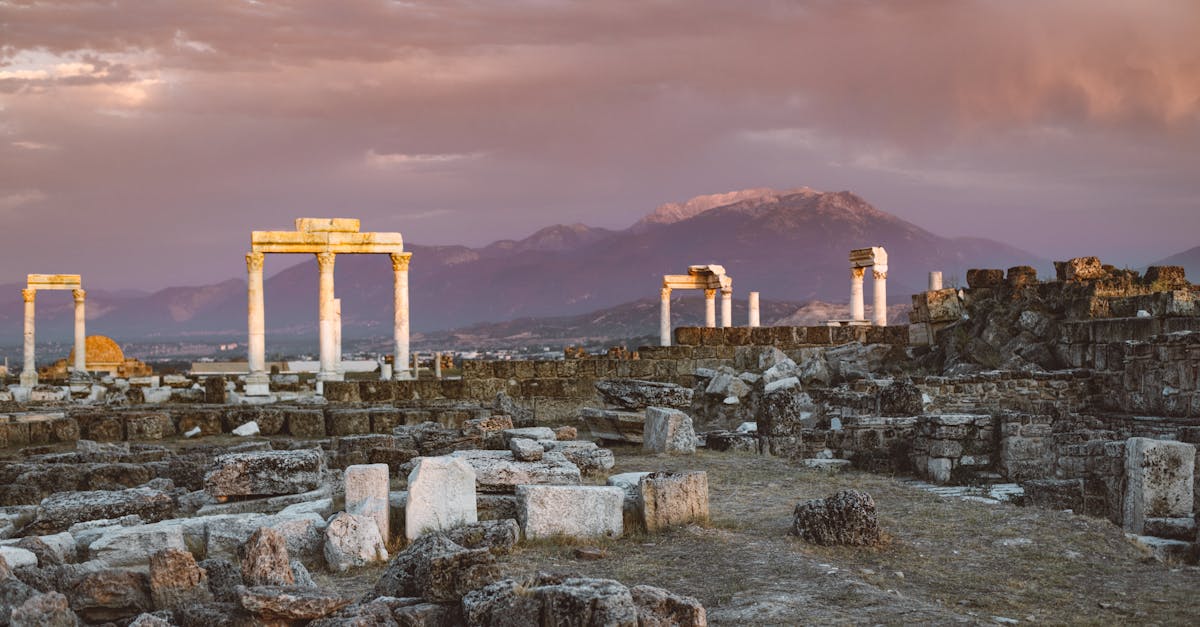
x=573, y=511
x=633, y=394
x=132, y=547
x=347, y=421
x=1082, y=269
x=846, y=518
x=1159, y=478
x=265, y=473
x=500, y=472
x=436, y=568
x=590, y=458
x=441, y=495
x=668, y=430
x=614, y=426
x=305, y=423
x=353, y=541
x=984, y=278
x=526, y=450
x=671, y=499
x=367, y=488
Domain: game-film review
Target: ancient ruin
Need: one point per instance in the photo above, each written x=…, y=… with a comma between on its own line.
x=709, y=278
x=325, y=238
x=876, y=259
x=35, y=282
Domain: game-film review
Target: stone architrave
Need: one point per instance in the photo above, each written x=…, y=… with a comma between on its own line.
x=668, y=431
x=574, y=511
x=710, y=278
x=1159, y=480
x=367, y=487
x=441, y=496
x=326, y=238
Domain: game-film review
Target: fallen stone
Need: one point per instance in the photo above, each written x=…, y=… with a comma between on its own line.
x=223, y=578
x=291, y=602
x=223, y=536
x=59, y=511
x=500, y=472
x=671, y=499
x=590, y=458
x=1183, y=528
x=829, y=466
x=846, y=518
x=529, y=433
x=435, y=568
x=265, y=560
x=176, y=580
x=16, y=557
x=631, y=507
x=353, y=541
x=51, y=609
x=668, y=431
x=574, y=511
x=566, y=432
x=614, y=426
x=51, y=550
x=246, y=430
x=441, y=495
x=659, y=607
x=109, y=595
x=1159, y=478
x=548, y=600
x=366, y=488
x=265, y=473
x=526, y=450
x=301, y=576
x=636, y=394
x=151, y=620
x=132, y=547
x=497, y=536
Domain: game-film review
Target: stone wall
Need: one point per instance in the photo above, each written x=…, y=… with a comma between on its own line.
x=785, y=338
x=876, y=444
x=1005, y=390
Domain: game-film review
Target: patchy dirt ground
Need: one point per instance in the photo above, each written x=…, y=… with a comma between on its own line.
x=947, y=560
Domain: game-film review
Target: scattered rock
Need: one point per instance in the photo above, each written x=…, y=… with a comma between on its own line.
x=291, y=602
x=546, y=600
x=265, y=560
x=659, y=608
x=176, y=580
x=497, y=536
x=265, y=473
x=500, y=472
x=526, y=450
x=352, y=541
x=846, y=518
x=435, y=568
x=636, y=394
x=590, y=458
x=668, y=431
x=61, y=510
x=44, y=610
x=108, y=595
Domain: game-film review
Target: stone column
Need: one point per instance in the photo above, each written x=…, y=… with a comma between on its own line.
x=857, y=308
x=337, y=336
x=754, y=322
x=437, y=365
x=29, y=375
x=327, y=319
x=416, y=365
x=880, y=295
x=935, y=281
x=664, y=318
x=727, y=307
x=257, y=381
x=80, y=366
x=710, y=308
x=400, y=326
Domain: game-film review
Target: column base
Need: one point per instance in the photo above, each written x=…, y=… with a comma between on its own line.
x=402, y=375
x=29, y=379
x=258, y=384
x=80, y=376
x=330, y=375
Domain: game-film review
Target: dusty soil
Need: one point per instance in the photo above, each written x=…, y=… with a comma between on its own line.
x=946, y=560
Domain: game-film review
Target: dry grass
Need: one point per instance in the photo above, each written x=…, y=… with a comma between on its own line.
x=948, y=560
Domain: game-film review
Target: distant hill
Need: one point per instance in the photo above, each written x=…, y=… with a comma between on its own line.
x=791, y=246
x=1189, y=259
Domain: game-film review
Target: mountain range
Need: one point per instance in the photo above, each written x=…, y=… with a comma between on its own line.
x=791, y=246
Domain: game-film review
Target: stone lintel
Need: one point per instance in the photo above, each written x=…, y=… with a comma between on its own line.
x=54, y=282
x=864, y=257
x=711, y=268
x=697, y=282
x=327, y=225
x=325, y=242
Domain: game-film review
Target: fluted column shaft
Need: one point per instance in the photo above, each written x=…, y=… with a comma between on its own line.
x=727, y=307
x=710, y=308
x=80, y=365
x=857, y=308
x=256, y=348
x=880, y=295
x=400, y=324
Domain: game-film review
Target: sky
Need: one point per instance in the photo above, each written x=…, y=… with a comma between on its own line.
x=141, y=142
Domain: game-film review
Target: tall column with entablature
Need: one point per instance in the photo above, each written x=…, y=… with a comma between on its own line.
x=29, y=375
x=327, y=318
x=80, y=365
x=400, y=320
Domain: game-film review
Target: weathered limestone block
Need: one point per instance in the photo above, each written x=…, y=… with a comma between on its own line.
x=16, y=557
x=1081, y=269
x=614, y=426
x=497, y=536
x=108, y=595
x=224, y=535
x=590, y=458
x=59, y=511
x=386, y=611
x=176, y=580
x=846, y=518
x=158, y=619
x=659, y=607
x=632, y=505
x=436, y=568
x=500, y=472
x=51, y=609
x=367, y=488
x=668, y=431
x=575, y=511
x=132, y=547
x=549, y=600
x=441, y=495
x=636, y=394
x=1158, y=481
x=353, y=541
x=530, y=433
x=977, y=278
x=223, y=578
x=265, y=473
x=670, y=499
x=292, y=603
x=526, y=450
x=265, y=560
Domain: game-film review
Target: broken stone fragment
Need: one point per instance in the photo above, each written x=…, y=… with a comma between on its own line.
x=846, y=518
x=177, y=580
x=635, y=394
x=353, y=541
x=291, y=602
x=436, y=568
x=265, y=560
x=668, y=431
x=265, y=473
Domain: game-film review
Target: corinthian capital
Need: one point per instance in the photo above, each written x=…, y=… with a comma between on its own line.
x=400, y=261
x=325, y=261
x=254, y=262
x=79, y=295
x=28, y=295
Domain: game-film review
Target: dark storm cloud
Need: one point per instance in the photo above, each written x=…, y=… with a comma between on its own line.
x=168, y=130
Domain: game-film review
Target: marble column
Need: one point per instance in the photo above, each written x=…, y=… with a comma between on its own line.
x=257, y=381
x=29, y=375
x=935, y=281
x=400, y=324
x=337, y=336
x=754, y=321
x=880, y=295
x=327, y=318
x=437, y=365
x=727, y=307
x=416, y=365
x=857, y=308
x=664, y=318
x=710, y=308
x=80, y=365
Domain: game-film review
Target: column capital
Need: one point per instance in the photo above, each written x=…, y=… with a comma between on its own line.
x=254, y=262
x=710, y=294
x=857, y=273
x=79, y=295
x=325, y=261
x=400, y=261
x=879, y=274
x=28, y=295
x=726, y=292
x=666, y=292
